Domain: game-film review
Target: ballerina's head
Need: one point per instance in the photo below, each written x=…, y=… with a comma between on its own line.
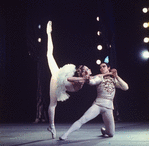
x=83, y=71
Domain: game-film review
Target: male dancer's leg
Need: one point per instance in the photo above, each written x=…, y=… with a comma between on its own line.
x=109, y=122
x=90, y=114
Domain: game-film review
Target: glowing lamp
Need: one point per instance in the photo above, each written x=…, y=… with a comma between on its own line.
x=39, y=40
x=99, y=47
x=145, y=10
x=98, y=62
x=146, y=40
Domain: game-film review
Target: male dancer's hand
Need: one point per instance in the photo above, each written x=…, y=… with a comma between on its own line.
x=87, y=77
x=114, y=72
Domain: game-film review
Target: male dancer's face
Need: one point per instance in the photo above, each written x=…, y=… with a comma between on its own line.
x=104, y=69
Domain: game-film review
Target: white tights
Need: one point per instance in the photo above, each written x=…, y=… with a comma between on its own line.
x=91, y=113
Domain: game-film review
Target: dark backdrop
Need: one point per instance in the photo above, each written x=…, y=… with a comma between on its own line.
x=75, y=40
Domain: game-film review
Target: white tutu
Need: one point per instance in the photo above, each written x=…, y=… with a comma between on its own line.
x=66, y=71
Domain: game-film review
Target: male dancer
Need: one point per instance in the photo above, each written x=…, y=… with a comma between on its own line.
x=103, y=104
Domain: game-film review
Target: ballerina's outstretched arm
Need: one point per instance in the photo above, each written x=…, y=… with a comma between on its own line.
x=51, y=61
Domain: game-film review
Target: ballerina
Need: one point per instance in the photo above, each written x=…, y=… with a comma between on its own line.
x=62, y=80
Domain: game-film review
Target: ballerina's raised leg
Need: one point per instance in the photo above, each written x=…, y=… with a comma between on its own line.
x=53, y=83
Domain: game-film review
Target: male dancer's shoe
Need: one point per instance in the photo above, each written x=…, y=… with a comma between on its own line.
x=53, y=132
x=103, y=131
x=60, y=138
x=63, y=137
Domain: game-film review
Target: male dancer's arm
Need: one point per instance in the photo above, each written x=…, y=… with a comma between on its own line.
x=119, y=82
x=95, y=80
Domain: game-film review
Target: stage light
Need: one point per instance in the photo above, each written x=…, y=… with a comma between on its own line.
x=145, y=10
x=98, y=33
x=97, y=18
x=29, y=53
x=145, y=54
x=98, y=62
x=146, y=24
x=146, y=40
x=39, y=40
x=39, y=26
x=99, y=47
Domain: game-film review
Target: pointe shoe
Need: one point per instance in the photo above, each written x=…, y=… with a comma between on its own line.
x=53, y=132
x=49, y=27
x=103, y=131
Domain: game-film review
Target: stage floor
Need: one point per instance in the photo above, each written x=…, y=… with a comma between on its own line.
x=127, y=134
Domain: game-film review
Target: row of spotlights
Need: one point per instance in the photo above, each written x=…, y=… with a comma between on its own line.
x=99, y=47
x=146, y=24
x=39, y=39
x=145, y=54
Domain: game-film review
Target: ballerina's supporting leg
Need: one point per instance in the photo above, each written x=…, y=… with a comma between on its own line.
x=52, y=106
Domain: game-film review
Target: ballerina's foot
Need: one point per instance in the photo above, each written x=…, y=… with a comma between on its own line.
x=53, y=132
x=49, y=27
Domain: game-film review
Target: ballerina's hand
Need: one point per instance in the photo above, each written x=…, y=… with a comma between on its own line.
x=87, y=78
x=49, y=27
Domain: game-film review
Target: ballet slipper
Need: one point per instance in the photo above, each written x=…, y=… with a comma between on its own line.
x=49, y=27
x=53, y=132
x=60, y=138
x=63, y=137
x=103, y=131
